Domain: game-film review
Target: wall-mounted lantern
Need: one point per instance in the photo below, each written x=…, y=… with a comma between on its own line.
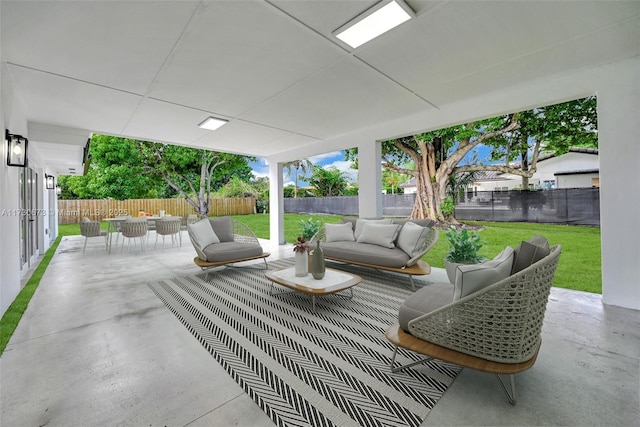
x=16, y=149
x=50, y=182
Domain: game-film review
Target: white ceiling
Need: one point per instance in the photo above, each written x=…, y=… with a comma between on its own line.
x=155, y=69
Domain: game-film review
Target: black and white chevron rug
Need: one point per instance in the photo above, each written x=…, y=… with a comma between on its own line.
x=329, y=368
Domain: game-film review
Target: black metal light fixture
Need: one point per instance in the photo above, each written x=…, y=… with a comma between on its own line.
x=50, y=181
x=58, y=190
x=16, y=149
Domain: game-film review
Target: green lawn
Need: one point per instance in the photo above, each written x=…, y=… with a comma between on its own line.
x=579, y=268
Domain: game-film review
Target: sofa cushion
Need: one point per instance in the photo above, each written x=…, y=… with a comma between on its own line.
x=424, y=301
x=379, y=234
x=339, y=232
x=366, y=254
x=360, y=222
x=228, y=251
x=471, y=278
x=203, y=233
x=411, y=238
x=530, y=252
x=223, y=228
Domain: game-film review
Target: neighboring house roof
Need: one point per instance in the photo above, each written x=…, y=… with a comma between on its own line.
x=578, y=172
x=410, y=183
x=546, y=156
x=498, y=176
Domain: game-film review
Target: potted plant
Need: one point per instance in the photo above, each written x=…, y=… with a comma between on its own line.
x=308, y=228
x=463, y=249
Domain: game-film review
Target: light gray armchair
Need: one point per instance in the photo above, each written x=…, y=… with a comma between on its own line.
x=168, y=226
x=134, y=228
x=89, y=229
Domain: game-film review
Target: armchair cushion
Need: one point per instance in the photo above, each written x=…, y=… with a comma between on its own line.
x=411, y=238
x=339, y=232
x=530, y=252
x=471, y=278
x=379, y=234
x=223, y=228
x=203, y=233
x=229, y=251
x=424, y=301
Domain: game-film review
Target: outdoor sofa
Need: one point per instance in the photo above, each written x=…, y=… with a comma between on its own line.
x=394, y=245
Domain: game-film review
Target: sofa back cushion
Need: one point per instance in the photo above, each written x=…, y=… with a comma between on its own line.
x=530, y=252
x=360, y=222
x=339, y=232
x=471, y=278
x=379, y=234
x=203, y=233
x=223, y=228
x=411, y=238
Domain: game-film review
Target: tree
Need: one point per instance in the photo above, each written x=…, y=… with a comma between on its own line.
x=392, y=180
x=329, y=181
x=116, y=171
x=193, y=173
x=437, y=154
x=304, y=166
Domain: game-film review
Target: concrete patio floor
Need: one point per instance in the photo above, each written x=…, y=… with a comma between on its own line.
x=97, y=347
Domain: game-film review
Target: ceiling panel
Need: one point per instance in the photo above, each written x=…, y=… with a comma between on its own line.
x=466, y=40
x=244, y=137
x=237, y=54
x=60, y=101
x=116, y=44
x=160, y=121
x=342, y=97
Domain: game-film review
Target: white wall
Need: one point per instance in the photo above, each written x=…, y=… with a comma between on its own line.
x=619, y=141
x=12, y=119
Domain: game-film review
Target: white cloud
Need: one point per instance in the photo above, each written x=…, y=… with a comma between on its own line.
x=345, y=166
x=320, y=158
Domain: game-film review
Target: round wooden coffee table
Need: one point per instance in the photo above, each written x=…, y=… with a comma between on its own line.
x=333, y=281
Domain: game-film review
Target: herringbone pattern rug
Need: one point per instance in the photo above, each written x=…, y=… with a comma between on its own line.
x=329, y=368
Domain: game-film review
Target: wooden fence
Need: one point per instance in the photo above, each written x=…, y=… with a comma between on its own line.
x=72, y=211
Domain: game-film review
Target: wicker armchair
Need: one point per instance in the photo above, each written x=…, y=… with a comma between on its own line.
x=495, y=330
x=135, y=228
x=168, y=226
x=90, y=228
x=237, y=243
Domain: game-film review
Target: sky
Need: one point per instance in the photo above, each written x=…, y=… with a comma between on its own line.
x=336, y=158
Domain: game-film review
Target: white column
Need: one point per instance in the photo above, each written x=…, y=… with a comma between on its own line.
x=619, y=143
x=276, y=204
x=369, y=179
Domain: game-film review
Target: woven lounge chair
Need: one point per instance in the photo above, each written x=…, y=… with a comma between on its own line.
x=224, y=241
x=494, y=330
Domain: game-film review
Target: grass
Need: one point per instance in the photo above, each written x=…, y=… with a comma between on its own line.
x=579, y=268
x=14, y=313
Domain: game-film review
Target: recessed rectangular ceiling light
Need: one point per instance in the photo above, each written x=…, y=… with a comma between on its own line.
x=374, y=22
x=212, y=123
